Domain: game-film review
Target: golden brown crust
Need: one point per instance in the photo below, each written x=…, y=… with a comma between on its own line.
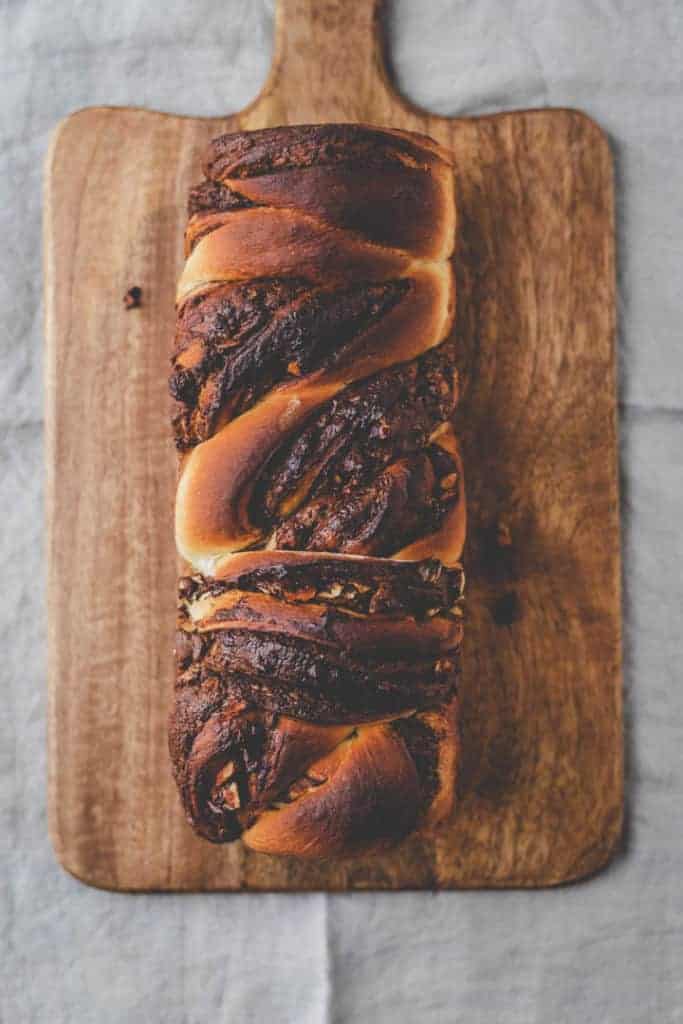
x=321, y=499
x=369, y=797
x=390, y=187
x=243, y=155
x=216, y=481
x=267, y=242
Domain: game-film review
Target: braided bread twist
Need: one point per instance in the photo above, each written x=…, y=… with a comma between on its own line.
x=320, y=501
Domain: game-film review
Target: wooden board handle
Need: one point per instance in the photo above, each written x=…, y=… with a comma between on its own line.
x=328, y=64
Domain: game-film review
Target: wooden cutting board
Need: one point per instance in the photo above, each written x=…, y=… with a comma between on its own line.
x=541, y=781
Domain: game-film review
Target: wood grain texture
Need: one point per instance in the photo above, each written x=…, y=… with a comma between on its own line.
x=541, y=785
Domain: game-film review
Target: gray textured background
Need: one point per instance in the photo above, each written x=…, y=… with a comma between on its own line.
x=610, y=950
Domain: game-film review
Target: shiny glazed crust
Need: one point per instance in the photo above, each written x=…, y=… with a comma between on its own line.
x=320, y=506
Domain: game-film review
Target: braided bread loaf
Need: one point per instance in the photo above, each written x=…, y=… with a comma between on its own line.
x=320, y=503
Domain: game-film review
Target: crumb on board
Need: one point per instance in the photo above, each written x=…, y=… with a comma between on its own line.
x=507, y=609
x=133, y=297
